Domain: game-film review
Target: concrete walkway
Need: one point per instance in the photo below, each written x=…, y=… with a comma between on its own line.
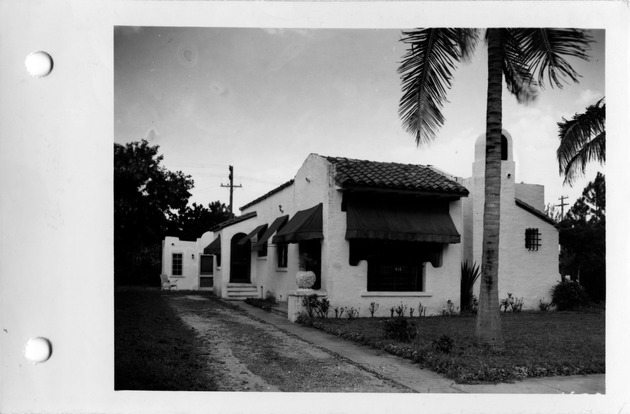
x=420, y=380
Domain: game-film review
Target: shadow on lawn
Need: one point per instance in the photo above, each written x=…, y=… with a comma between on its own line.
x=153, y=349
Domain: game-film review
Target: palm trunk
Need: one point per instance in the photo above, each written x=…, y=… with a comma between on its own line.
x=488, y=329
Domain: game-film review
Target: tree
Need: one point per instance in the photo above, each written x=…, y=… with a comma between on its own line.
x=583, y=239
x=147, y=197
x=523, y=57
x=582, y=139
x=195, y=220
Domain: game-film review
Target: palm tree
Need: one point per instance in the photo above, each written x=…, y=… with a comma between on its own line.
x=582, y=139
x=523, y=57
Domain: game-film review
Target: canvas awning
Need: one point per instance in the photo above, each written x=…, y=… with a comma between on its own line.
x=305, y=225
x=254, y=232
x=275, y=226
x=405, y=221
x=214, y=247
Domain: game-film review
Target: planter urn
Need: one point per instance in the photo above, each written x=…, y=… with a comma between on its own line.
x=305, y=279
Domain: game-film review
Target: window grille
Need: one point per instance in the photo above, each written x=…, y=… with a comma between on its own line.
x=532, y=239
x=177, y=264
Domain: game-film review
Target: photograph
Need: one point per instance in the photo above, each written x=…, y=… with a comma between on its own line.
x=314, y=207
x=414, y=210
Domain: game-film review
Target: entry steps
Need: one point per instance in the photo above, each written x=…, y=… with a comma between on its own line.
x=241, y=291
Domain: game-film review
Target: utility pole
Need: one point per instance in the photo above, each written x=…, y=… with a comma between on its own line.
x=561, y=205
x=231, y=186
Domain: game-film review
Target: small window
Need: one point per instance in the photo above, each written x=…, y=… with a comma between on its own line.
x=218, y=256
x=206, y=265
x=283, y=253
x=177, y=264
x=504, y=148
x=532, y=239
x=262, y=252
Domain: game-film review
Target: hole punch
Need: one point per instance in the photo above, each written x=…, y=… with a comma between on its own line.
x=38, y=64
x=37, y=350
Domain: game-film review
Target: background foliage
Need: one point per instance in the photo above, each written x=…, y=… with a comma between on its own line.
x=151, y=202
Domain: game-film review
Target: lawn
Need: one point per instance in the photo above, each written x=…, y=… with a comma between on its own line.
x=153, y=349
x=536, y=344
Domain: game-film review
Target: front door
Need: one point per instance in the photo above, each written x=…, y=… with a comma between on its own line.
x=240, y=260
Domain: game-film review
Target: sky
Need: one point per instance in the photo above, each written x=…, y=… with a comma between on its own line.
x=263, y=99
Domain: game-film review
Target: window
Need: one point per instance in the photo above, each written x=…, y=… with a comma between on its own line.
x=532, y=239
x=504, y=148
x=218, y=256
x=177, y=264
x=262, y=252
x=400, y=277
x=206, y=265
x=283, y=254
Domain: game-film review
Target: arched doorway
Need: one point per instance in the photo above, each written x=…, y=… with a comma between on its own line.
x=240, y=259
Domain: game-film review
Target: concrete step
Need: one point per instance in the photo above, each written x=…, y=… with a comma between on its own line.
x=241, y=291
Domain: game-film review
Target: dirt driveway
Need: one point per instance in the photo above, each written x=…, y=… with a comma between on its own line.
x=251, y=355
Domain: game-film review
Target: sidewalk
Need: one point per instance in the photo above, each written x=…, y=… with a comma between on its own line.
x=420, y=380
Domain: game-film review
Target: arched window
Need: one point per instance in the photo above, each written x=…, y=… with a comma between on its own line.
x=504, y=148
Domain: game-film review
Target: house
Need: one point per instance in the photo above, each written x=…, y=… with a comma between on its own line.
x=185, y=265
x=382, y=232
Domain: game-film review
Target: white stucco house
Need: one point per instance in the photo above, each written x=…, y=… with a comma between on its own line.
x=379, y=232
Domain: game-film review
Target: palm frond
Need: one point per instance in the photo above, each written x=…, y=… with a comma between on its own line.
x=426, y=74
x=582, y=140
x=544, y=51
x=518, y=76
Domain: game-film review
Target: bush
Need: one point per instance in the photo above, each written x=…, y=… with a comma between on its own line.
x=399, y=329
x=303, y=318
x=443, y=345
x=569, y=295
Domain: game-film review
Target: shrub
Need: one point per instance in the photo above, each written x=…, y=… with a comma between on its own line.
x=544, y=306
x=449, y=309
x=315, y=306
x=569, y=295
x=469, y=275
x=400, y=329
x=514, y=304
x=422, y=311
x=304, y=319
x=443, y=345
x=400, y=310
x=352, y=312
x=373, y=308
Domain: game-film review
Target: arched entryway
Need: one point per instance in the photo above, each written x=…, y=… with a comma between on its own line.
x=240, y=259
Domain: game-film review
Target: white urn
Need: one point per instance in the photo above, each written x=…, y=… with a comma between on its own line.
x=305, y=279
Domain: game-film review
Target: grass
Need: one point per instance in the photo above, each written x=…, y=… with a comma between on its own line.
x=153, y=349
x=536, y=344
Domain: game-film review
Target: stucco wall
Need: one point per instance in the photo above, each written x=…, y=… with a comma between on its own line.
x=525, y=274
x=532, y=194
